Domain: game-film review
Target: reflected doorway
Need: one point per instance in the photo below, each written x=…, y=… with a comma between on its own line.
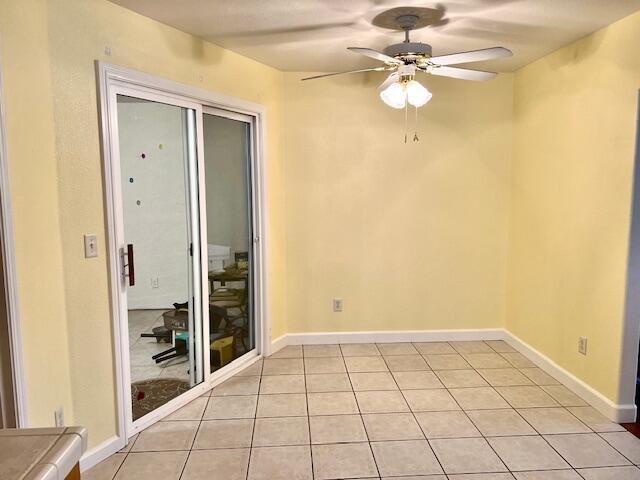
x=227, y=147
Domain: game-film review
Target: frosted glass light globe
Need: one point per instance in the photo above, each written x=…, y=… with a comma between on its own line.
x=394, y=95
x=417, y=95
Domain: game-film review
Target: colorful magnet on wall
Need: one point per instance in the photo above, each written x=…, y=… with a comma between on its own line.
x=161, y=146
x=138, y=202
x=143, y=156
x=130, y=179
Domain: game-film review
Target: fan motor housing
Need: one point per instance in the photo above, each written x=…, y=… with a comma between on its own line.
x=408, y=49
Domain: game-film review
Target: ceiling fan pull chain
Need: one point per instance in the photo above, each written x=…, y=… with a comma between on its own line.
x=415, y=135
x=406, y=121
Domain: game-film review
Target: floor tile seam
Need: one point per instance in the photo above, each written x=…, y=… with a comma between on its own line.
x=558, y=407
x=485, y=438
x=375, y=462
x=614, y=447
x=115, y=474
x=306, y=396
x=415, y=419
x=482, y=434
x=555, y=450
x=516, y=386
x=184, y=466
x=247, y=447
x=253, y=429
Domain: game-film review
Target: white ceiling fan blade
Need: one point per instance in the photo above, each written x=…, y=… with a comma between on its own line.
x=462, y=73
x=377, y=69
x=394, y=77
x=369, y=52
x=473, y=56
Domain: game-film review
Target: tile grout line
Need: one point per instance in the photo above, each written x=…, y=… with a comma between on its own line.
x=534, y=429
x=306, y=397
x=467, y=416
x=486, y=439
x=194, y=437
x=528, y=423
x=364, y=426
x=558, y=405
x=415, y=419
x=255, y=419
x=126, y=455
x=614, y=447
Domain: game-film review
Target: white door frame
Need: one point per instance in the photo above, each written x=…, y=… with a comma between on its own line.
x=112, y=78
x=631, y=326
x=7, y=239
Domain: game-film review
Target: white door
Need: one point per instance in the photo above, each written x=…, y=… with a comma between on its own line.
x=159, y=244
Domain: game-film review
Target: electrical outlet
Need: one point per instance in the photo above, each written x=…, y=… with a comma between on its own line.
x=59, y=416
x=337, y=304
x=155, y=282
x=582, y=345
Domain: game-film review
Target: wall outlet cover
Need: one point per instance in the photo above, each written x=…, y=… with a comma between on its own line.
x=59, y=417
x=582, y=345
x=338, y=303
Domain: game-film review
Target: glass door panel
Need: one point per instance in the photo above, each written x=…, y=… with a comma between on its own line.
x=162, y=265
x=227, y=165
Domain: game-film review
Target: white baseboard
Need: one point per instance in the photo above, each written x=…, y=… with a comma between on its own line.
x=614, y=412
x=387, y=336
x=279, y=343
x=100, y=452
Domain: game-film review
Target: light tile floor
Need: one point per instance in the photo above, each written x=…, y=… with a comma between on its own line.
x=421, y=411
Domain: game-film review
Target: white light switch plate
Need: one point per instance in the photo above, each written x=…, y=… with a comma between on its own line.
x=90, y=245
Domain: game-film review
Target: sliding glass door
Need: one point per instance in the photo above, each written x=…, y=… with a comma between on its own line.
x=160, y=255
x=230, y=234
x=183, y=195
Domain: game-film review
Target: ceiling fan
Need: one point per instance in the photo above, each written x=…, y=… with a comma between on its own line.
x=405, y=59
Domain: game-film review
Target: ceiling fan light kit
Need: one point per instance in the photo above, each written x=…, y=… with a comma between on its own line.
x=404, y=59
x=401, y=89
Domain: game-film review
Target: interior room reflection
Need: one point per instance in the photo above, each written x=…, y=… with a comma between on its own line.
x=154, y=182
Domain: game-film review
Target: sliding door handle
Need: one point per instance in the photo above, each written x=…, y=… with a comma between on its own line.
x=128, y=266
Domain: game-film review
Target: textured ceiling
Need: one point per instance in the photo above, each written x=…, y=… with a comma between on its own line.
x=312, y=35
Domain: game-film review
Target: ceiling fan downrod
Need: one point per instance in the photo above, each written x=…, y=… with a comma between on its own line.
x=407, y=23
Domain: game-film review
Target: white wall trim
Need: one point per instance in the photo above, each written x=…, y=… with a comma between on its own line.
x=10, y=273
x=100, y=452
x=631, y=325
x=279, y=343
x=614, y=412
x=617, y=413
x=386, y=336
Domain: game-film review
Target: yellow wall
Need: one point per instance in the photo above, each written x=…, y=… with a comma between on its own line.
x=53, y=129
x=412, y=236
x=33, y=175
x=572, y=171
